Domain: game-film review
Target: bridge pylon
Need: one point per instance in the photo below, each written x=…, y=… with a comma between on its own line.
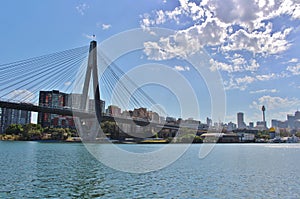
x=92, y=70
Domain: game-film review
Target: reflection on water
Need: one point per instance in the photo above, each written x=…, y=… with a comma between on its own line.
x=57, y=170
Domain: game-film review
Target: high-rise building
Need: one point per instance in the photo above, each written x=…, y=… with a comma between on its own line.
x=290, y=121
x=54, y=99
x=240, y=120
x=13, y=116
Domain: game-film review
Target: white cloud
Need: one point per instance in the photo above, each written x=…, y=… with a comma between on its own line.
x=250, y=13
x=181, y=68
x=81, y=8
x=186, y=42
x=275, y=103
x=235, y=64
x=106, y=26
x=240, y=83
x=265, y=43
x=264, y=91
x=230, y=25
x=21, y=95
x=246, y=79
x=253, y=65
x=67, y=83
x=266, y=77
x=295, y=70
x=161, y=18
x=293, y=60
x=243, y=82
x=215, y=65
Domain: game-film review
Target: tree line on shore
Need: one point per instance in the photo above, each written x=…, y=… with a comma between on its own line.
x=29, y=132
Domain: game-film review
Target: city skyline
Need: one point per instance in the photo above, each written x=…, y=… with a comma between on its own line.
x=256, y=54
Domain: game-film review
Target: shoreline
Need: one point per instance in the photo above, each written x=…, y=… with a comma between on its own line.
x=139, y=143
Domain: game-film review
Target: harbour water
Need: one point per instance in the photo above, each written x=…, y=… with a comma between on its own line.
x=64, y=170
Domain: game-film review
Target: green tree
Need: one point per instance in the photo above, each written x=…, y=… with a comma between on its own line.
x=197, y=139
x=110, y=128
x=14, y=129
x=32, y=132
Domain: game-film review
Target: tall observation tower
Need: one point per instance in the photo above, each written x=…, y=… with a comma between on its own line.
x=263, y=108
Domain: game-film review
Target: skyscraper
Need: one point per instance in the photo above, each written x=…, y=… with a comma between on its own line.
x=240, y=120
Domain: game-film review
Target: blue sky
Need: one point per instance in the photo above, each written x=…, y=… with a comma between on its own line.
x=254, y=44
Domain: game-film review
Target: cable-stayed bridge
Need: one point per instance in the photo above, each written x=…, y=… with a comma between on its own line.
x=75, y=70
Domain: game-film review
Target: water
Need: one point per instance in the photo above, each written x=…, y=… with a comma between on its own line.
x=61, y=170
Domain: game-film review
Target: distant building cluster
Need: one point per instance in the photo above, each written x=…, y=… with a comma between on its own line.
x=292, y=122
x=137, y=113
x=260, y=125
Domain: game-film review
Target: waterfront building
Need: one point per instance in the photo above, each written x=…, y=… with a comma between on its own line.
x=113, y=110
x=240, y=120
x=140, y=113
x=246, y=131
x=246, y=137
x=54, y=99
x=13, y=116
